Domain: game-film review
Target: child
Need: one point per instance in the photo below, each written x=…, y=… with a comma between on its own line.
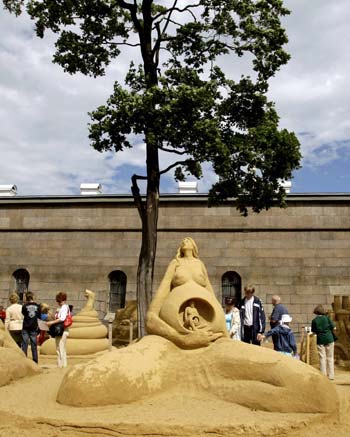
x=233, y=319
x=45, y=316
x=285, y=341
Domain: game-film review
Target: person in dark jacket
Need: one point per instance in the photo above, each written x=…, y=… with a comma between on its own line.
x=283, y=335
x=323, y=327
x=31, y=313
x=252, y=316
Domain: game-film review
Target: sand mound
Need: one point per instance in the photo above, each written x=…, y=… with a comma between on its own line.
x=14, y=366
x=13, y=363
x=235, y=372
x=28, y=408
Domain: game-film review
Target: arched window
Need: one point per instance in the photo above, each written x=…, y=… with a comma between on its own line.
x=117, y=290
x=231, y=285
x=22, y=282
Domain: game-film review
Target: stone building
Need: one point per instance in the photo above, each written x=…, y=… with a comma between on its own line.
x=54, y=243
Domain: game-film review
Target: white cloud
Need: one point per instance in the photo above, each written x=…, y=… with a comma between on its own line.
x=312, y=93
x=44, y=144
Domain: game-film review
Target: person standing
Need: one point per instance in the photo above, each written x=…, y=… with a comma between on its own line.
x=252, y=316
x=61, y=340
x=2, y=314
x=276, y=316
x=233, y=319
x=14, y=319
x=31, y=312
x=323, y=327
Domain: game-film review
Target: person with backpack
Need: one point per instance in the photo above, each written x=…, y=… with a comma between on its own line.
x=31, y=313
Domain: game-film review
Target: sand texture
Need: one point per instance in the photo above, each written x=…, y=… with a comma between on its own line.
x=235, y=372
x=28, y=409
x=13, y=364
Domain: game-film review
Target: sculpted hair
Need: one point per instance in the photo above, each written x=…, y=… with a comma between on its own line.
x=61, y=297
x=179, y=253
x=13, y=298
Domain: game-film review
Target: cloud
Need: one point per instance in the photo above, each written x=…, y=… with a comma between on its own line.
x=311, y=93
x=44, y=142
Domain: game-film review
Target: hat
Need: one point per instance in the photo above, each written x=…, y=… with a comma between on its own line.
x=286, y=318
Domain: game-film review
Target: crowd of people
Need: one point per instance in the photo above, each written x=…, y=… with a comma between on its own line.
x=246, y=321
x=31, y=323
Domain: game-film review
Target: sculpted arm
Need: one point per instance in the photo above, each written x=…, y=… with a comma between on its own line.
x=208, y=284
x=156, y=326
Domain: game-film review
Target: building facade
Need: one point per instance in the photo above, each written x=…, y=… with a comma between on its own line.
x=70, y=243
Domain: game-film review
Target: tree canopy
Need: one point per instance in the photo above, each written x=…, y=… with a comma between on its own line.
x=179, y=97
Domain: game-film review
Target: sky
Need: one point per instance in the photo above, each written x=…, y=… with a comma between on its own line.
x=44, y=145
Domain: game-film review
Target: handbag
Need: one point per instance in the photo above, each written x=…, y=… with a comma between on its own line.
x=56, y=330
x=68, y=320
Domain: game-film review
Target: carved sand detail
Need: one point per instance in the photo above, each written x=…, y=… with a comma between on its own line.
x=189, y=353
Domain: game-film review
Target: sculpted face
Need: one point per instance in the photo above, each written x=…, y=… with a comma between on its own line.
x=186, y=244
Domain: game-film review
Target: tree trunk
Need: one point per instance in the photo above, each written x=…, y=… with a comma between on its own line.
x=148, y=210
x=149, y=219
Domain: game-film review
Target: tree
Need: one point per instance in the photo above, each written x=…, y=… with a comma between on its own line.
x=179, y=98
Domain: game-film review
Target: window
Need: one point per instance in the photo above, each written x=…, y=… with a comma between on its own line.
x=22, y=282
x=117, y=290
x=231, y=285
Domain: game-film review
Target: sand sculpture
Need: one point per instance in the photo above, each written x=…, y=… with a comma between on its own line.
x=189, y=352
x=121, y=324
x=87, y=335
x=341, y=317
x=13, y=364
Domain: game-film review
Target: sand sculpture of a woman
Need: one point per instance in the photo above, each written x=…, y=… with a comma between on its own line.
x=189, y=356
x=184, y=294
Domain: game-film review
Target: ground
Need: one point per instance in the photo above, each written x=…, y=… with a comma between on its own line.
x=28, y=408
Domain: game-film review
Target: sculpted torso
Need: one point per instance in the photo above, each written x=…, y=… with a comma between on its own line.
x=185, y=309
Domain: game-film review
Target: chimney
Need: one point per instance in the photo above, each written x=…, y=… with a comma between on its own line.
x=188, y=187
x=90, y=189
x=287, y=185
x=8, y=190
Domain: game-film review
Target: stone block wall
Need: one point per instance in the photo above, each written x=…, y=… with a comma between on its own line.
x=301, y=253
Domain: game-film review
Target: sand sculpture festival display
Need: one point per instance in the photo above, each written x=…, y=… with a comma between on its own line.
x=188, y=352
x=87, y=335
x=13, y=364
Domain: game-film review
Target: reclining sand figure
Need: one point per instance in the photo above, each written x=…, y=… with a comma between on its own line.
x=177, y=359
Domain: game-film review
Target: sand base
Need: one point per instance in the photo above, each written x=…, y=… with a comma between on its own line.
x=28, y=408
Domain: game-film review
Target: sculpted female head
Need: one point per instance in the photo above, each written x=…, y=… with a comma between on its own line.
x=187, y=243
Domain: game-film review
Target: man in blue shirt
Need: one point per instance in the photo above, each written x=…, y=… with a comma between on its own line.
x=276, y=315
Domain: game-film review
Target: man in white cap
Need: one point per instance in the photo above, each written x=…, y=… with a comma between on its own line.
x=284, y=337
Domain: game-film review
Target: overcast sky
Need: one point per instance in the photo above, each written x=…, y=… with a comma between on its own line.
x=44, y=146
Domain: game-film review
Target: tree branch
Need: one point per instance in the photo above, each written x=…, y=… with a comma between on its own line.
x=185, y=9
x=172, y=151
x=137, y=196
x=172, y=166
x=122, y=44
x=133, y=11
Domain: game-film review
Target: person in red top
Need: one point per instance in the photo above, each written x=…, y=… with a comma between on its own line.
x=2, y=313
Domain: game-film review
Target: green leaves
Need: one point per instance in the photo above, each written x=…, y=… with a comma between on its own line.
x=179, y=99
